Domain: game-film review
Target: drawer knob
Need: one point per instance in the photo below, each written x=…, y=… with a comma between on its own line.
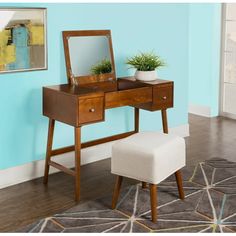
x=164, y=97
x=91, y=110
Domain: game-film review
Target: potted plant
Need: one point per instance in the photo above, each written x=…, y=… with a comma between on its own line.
x=145, y=65
x=101, y=67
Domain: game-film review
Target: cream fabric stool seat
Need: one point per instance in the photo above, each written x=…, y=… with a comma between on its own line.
x=148, y=157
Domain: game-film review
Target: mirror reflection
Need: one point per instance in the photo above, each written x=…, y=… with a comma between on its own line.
x=90, y=55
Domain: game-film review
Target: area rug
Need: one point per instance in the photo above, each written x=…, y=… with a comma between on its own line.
x=209, y=206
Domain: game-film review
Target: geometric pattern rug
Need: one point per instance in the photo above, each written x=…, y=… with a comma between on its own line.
x=209, y=206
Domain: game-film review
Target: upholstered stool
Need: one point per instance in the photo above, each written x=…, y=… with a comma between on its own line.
x=149, y=157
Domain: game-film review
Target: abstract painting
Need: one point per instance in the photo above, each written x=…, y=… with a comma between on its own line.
x=22, y=39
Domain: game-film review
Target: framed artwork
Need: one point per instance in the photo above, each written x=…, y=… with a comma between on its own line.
x=23, y=44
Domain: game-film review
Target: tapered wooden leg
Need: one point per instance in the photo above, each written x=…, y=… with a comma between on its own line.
x=116, y=191
x=144, y=185
x=180, y=184
x=164, y=121
x=77, y=162
x=49, y=149
x=136, y=120
x=153, y=199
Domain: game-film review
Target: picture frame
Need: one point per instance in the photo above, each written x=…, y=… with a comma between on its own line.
x=23, y=39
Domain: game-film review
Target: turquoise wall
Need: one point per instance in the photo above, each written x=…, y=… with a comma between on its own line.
x=204, y=55
x=159, y=27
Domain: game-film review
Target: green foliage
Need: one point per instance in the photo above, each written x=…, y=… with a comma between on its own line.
x=102, y=67
x=145, y=61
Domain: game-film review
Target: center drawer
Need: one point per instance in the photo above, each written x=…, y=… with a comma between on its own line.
x=91, y=110
x=128, y=97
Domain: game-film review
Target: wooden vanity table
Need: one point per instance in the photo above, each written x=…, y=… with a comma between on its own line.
x=84, y=99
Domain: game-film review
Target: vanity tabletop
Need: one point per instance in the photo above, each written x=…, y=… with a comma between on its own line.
x=124, y=83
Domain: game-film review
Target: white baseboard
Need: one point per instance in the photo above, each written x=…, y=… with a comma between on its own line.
x=229, y=115
x=200, y=110
x=181, y=130
x=32, y=170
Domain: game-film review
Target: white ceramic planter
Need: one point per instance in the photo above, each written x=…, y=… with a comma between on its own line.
x=145, y=75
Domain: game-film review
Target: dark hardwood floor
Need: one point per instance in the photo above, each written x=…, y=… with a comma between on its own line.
x=211, y=137
x=25, y=203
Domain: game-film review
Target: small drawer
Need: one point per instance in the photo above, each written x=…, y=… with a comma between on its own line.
x=91, y=110
x=163, y=96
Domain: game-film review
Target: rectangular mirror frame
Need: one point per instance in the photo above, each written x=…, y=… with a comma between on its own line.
x=88, y=78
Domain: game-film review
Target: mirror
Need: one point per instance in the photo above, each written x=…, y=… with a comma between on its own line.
x=89, y=56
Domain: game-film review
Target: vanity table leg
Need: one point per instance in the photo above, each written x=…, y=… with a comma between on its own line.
x=77, y=162
x=136, y=129
x=164, y=121
x=49, y=149
x=136, y=120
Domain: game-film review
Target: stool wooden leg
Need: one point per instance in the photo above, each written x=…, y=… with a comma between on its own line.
x=144, y=185
x=49, y=149
x=153, y=198
x=116, y=191
x=180, y=184
x=77, y=162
